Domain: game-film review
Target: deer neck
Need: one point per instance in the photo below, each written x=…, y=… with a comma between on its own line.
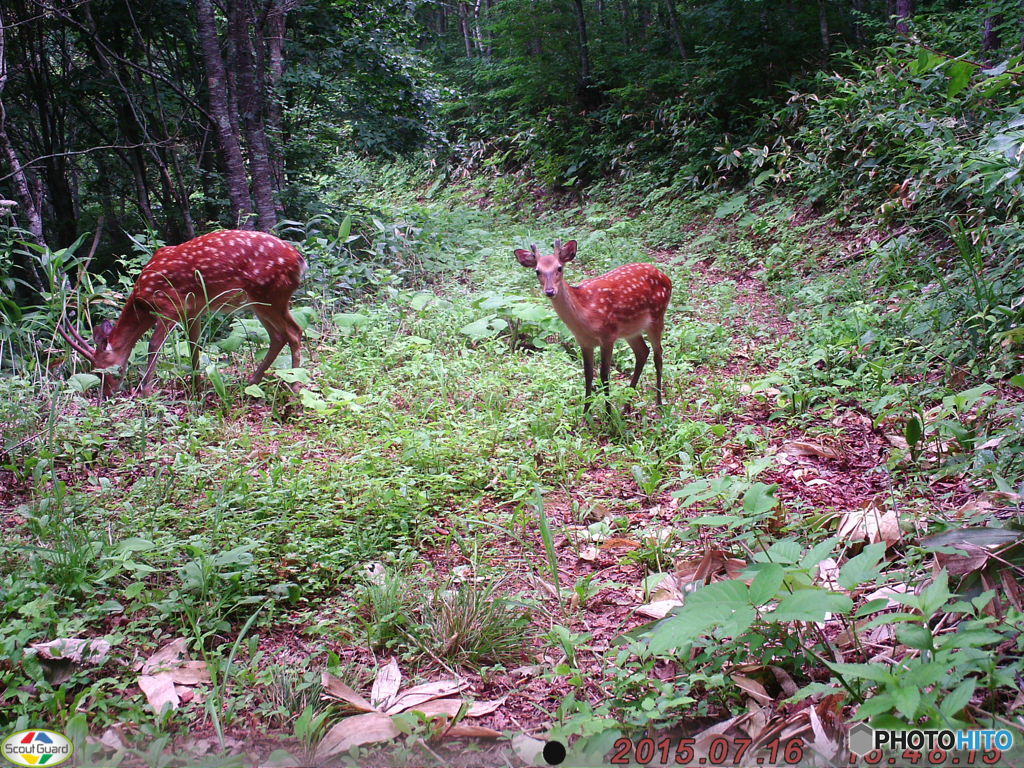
x=129, y=328
x=567, y=304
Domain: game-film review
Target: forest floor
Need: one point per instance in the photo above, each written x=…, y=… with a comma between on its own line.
x=439, y=511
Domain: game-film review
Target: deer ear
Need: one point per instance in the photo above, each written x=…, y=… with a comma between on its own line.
x=101, y=335
x=567, y=252
x=526, y=258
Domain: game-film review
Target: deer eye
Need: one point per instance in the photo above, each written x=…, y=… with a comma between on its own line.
x=538, y=273
x=559, y=269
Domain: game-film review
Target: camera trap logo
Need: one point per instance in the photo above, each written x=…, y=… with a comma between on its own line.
x=37, y=747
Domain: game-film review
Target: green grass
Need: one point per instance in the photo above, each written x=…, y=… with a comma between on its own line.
x=436, y=410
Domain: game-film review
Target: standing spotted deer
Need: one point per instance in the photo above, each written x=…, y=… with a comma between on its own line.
x=621, y=304
x=220, y=270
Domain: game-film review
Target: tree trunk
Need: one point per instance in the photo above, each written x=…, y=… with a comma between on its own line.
x=226, y=131
x=990, y=35
x=584, y=45
x=276, y=18
x=826, y=44
x=673, y=23
x=904, y=10
x=22, y=189
x=464, y=26
x=250, y=109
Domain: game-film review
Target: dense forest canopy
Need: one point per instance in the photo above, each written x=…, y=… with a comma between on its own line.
x=170, y=117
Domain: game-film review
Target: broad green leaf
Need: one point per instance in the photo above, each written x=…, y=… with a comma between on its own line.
x=811, y=605
x=254, y=390
x=958, y=698
x=935, y=595
x=313, y=400
x=350, y=319
x=345, y=228
x=83, y=382
x=913, y=431
x=135, y=544
x=863, y=568
x=723, y=604
x=819, y=552
x=420, y=300
x=480, y=329
x=959, y=74
x=876, y=673
x=786, y=551
x=759, y=499
x=230, y=343
x=924, y=675
x=293, y=375
x=915, y=636
x=907, y=699
x=766, y=583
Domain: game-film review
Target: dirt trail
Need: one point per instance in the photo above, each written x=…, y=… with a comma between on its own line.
x=826, y=483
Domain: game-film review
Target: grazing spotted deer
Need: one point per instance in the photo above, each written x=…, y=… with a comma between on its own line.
x=621, y=304
x=225, y=269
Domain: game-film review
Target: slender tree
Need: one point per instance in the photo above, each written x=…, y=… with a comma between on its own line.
x=251, y=110
x=220, y=111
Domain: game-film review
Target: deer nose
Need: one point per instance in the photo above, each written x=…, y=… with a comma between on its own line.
x=549, y=292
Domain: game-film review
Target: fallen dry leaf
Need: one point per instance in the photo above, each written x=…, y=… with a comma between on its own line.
x=807, y=448
x=170, y=655
x=335, y=689
x=713, y=565
x=870, y=522
x=658, y=609
x=159, y=691
x=528, y=749
x=386, y=684
x=166, y=668
x=410, y=698
x=367, y=728
x=78, y=650
x=470, y=731
x=752, y=688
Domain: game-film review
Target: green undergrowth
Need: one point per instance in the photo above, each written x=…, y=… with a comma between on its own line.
x=441, y=417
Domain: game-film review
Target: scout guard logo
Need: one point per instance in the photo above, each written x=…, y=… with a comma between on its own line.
x=38, y=747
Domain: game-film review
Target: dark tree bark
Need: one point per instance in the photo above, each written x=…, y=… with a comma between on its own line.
x=250, y=107
x=276, y=23
x=584, y=43
x=23, y=191
x=826, y=44
x=990, y=34
x=226, y=130
x=673, y=23
x=464, y=27
x=904, y=10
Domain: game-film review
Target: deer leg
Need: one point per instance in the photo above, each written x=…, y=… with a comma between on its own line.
x=588, y=376
x=654, y=334
x=269, y=319
x=293, y=331
x=606, y=371
x=193, y=343
x=640, y=351
x=163, y=327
